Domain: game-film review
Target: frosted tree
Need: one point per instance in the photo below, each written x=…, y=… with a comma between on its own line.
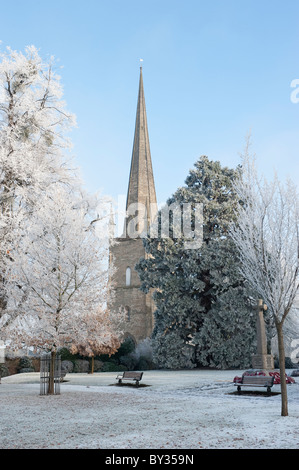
x=58, y=280
x=33, y=126
x=100, y=333
x=203, y=315
x=267, y=237
x=53, y=268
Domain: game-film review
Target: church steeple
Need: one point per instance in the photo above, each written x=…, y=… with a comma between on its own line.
x=141, y=188
x=127, y=250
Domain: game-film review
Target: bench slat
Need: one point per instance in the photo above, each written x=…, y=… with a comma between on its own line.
x=132, y=375
x=257, y=380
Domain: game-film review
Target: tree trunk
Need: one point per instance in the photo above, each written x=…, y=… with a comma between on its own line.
x=282, y=370
x=52, y=373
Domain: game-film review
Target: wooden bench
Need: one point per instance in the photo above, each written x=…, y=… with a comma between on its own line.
x=130, y=376
x=256, y=381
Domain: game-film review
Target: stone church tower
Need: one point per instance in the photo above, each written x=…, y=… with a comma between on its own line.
x=125, y=252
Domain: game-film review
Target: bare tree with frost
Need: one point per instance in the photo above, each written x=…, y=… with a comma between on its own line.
x=34, y=123
x=60, y=291
x=53, y=269
x=267, y=237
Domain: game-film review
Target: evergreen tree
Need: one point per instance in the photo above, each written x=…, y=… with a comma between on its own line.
x=203, y=314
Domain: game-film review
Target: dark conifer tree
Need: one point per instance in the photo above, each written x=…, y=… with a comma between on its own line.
x=203, y=315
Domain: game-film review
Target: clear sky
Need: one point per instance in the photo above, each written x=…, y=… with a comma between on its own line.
x=213, y=71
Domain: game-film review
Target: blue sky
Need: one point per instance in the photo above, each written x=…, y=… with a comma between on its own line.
x=213, y=71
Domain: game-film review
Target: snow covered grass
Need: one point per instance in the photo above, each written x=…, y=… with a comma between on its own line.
x=195, y=409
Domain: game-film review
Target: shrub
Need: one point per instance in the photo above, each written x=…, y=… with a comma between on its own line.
x=81, y=366
x=127, y=347
x=98, y=365
x=288, y=363
x=67, y=366
x=112, y=367
x=142, y=364
x=65, y=355
x=128, y=361
x=4, y=372
x=26, y=369
x=25, y=363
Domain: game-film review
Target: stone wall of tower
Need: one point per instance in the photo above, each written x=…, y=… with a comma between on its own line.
x=125, y=253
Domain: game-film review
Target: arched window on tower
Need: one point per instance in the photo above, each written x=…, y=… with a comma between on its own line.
x=128, y=276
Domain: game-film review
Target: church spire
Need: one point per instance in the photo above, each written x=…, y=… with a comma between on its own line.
x=141, y=188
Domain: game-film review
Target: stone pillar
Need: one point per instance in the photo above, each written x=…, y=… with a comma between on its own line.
x=262, y=360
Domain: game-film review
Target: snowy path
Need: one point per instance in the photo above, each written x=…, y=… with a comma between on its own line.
x=178, y=410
